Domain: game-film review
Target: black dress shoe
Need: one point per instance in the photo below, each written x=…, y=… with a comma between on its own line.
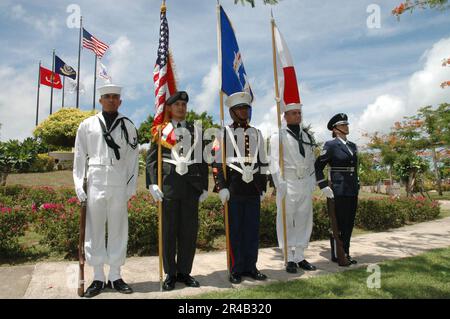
x=304, y=264
x=351, y=260
x=235, y=278
x=255, y=275
x=121, y=286
x=94, y=289
x=169, y=283
x=334, y=259
x=291, y=267
x=188, y=280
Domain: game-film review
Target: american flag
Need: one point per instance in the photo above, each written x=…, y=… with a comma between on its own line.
x=165, y=84
x=92, y=43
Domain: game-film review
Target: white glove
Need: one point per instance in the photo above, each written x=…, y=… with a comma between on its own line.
x=224, y=195
x=261, y=198
x=81, y=194
x=282, y=189
x=156, y=193
x=203, y=196
x=328, y=192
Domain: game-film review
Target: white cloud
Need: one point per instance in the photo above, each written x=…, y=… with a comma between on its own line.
x=424, y=86
x=45, y=25
x=207, y=99
x=381, y=115
x=423, y=89
x=18, y=103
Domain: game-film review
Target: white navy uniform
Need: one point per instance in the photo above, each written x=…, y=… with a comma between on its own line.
x=301, y=182
x=111, y=183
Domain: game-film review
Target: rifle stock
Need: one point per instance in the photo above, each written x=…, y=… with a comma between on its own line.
x=342, y=260
x=81, y=252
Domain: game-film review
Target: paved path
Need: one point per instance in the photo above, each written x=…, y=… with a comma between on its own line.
x=58, y=279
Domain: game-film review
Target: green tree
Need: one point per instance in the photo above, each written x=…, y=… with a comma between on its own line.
x=16, y=156
x=145, y=127
x=60, y=129
x=370, y=171
x=433, y=132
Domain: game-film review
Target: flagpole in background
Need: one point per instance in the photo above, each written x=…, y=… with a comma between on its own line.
x=64, y=84
x=39, y=88
x=95, y=81
x=280, y=141
x=53, y=78
x=222, y=140
x=79, y=58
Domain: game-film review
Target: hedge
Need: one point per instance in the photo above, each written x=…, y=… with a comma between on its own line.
x=53, y=213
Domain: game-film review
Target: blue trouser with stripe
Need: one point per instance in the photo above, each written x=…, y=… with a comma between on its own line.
x=244, y=214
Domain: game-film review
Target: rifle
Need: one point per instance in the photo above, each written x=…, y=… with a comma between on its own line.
x=81, y=252
x=342, y=260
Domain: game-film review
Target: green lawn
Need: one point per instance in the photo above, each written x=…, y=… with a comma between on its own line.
x=423, y=276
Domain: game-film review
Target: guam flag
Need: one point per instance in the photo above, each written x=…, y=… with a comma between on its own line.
x=234, y=78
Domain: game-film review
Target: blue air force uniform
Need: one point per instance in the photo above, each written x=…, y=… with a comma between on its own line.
x=341, y=156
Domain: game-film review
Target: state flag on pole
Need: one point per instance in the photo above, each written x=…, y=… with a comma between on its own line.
x=64, y=69
x=46, y=78
x=287, y=78
x=234, y=78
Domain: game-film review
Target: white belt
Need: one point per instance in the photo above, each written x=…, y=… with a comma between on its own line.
x=293, y=174
x=101, y=161
x=181, y=166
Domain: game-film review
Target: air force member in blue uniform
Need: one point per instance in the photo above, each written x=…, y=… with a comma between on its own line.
x=341, y=156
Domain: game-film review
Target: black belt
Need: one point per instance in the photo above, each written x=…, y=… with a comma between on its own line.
x=343, y=169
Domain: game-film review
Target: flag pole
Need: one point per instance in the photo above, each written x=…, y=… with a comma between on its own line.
x=160, y=207
x=95, y=81
x=160, y=212
x=64, y=84
x=280, y=141
x=222, y=140
x=39, y=88
x=79, y=60
x=53, y=78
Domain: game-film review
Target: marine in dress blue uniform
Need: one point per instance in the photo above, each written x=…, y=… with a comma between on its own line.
x=341, y=156
x=244, y=187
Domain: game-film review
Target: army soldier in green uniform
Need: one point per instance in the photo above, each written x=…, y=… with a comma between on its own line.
x=185, y=184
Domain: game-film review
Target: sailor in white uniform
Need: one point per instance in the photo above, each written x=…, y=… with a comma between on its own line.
x=296, y=186
x=107, y=145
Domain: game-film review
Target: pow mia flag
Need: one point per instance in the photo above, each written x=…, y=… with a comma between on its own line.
x=64, y=69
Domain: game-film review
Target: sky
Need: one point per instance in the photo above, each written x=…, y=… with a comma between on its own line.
x=350, y=56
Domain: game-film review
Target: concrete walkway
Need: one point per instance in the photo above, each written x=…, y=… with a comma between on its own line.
x=58, y=279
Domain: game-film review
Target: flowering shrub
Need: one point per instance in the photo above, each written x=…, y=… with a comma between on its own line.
x=142, y=225
x=379, y=214
x=59, y=226
x=13, y=223
x=54, y=214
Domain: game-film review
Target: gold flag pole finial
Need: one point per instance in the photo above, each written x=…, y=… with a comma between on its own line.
x=163, y=6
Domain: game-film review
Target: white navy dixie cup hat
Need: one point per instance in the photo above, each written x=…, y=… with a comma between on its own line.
x=110, y=89
x=239, y=99
x=292, y=106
